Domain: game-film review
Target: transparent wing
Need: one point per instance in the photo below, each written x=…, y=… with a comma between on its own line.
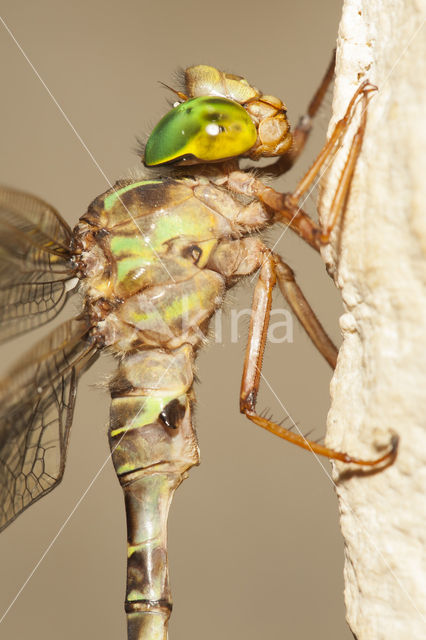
x=35, y=262
x=36, y=408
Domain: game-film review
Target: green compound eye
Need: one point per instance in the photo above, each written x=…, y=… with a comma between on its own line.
x=204, y=129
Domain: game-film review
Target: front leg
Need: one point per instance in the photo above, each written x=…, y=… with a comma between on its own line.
x=277, y=203
x=286, y=207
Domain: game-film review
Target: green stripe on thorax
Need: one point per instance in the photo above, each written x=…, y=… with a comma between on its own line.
x=111, y=200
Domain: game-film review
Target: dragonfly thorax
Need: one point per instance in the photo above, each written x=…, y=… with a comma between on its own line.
x=151, y=258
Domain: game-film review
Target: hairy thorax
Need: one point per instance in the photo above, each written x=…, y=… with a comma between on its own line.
x=145, y=254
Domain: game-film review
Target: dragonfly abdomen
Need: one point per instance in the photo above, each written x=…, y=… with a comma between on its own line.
x=153, y=445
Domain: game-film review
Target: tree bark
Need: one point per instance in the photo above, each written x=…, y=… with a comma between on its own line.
x=378, y=259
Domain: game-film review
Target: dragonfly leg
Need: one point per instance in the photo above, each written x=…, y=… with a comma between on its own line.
x=341, y=194
x=282, y=210
x=303, y=127
x=303, y=311
x=335, y=140
x=326, y=155
x=285, y=206
x=247, y=255
x=274, y=269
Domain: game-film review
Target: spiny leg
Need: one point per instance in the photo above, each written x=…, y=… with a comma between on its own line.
x=274, y=268
x=303, y=127
x=286, y=206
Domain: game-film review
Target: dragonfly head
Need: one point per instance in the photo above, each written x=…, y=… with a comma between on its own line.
x=221, y=117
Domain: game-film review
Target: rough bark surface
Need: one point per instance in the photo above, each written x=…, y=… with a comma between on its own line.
x=378, y=258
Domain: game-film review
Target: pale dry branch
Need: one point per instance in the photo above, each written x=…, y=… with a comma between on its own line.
x=378, y=257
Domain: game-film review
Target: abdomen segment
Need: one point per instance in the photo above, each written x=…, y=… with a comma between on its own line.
x=153, y=445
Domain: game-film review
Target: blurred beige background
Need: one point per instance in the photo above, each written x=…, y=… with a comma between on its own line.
x=255, y=549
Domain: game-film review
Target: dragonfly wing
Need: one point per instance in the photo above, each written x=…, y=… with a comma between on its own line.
x=35, y=262
x=28, y=305
x=36, y=409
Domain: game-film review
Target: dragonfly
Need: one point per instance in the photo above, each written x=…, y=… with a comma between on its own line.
x=152, y=258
